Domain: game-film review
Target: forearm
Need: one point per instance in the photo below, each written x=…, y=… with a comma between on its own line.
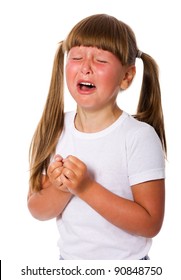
x=48, y=203
x=123, y=213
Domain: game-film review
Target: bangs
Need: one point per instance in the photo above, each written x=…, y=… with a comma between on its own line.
x=101, y=31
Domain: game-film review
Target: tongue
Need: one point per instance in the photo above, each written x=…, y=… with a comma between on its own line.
x=84, y=87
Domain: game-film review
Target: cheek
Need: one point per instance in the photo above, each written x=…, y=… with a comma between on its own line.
x=68, y=70
x=112, y=79
x=69, y=75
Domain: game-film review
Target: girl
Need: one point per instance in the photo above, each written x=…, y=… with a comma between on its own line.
x=98, y=170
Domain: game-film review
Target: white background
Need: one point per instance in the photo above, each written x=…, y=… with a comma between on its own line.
x=29, y=34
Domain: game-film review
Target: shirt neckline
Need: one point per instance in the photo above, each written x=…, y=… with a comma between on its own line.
x=101, y=133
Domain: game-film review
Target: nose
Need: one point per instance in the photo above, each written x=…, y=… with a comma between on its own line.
x=86, y=67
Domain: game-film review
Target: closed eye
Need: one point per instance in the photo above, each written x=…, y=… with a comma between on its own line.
x=76, y=58
x=102, y=61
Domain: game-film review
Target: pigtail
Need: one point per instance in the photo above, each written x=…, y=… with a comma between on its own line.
x=149, y=107
x=50, y=125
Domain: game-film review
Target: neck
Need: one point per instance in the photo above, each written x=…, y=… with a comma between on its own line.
x=91, y=121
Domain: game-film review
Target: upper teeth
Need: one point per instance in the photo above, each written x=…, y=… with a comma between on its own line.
x=87, y=84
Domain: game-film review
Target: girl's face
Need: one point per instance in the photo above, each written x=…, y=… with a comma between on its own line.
x=94, y=77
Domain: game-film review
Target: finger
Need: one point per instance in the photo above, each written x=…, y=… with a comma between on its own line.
x=65, y=181
x=76, y=161
x=68, y=173
x=56, y=163
x=70, y=165
x=76, y=165
x=58, y=157
x=58, y=181
x=57, y=172
x=53, y=166
x=63, y=188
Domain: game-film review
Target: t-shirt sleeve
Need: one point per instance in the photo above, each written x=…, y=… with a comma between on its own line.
x=145, y=156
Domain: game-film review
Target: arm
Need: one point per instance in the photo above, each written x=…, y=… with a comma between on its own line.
x=51, y=200
x=143, y=216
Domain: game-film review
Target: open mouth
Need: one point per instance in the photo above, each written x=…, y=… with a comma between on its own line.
x=86, y=86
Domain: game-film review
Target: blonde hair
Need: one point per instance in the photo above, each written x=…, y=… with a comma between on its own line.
x=107, y=33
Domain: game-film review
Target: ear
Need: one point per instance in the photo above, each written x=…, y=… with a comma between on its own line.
x=129, y=75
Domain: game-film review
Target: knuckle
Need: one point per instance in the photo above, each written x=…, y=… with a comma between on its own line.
x=84, y=168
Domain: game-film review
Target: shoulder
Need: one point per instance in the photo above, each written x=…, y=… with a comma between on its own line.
x=141, y=138
x=135, y=129
x=133, y=125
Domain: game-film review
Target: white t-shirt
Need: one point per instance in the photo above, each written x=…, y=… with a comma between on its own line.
x=126, y=153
